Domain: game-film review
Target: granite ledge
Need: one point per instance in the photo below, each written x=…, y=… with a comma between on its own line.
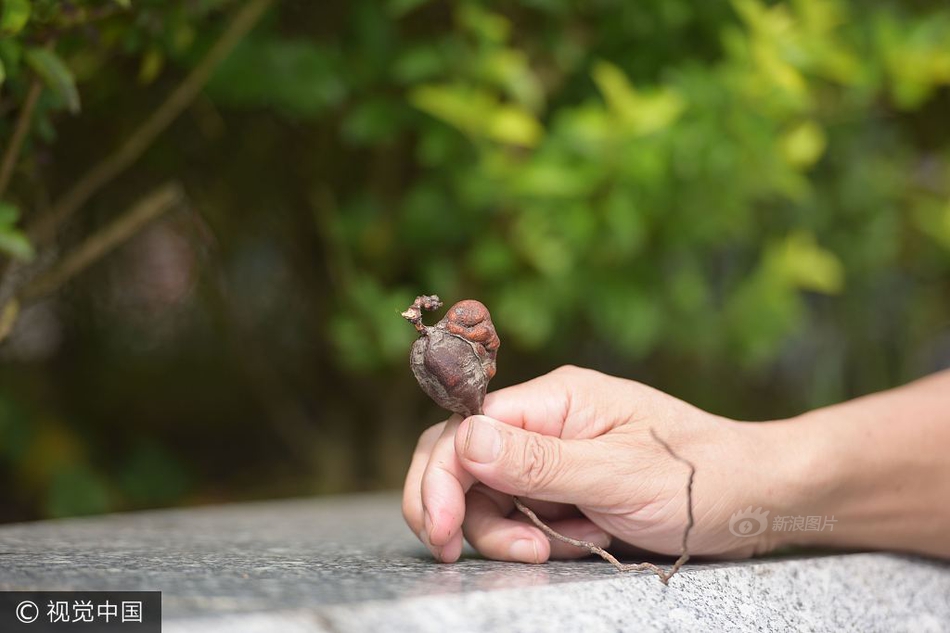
x=349, y=564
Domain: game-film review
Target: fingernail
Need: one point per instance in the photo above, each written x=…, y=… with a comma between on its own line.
x=525, y=550
x=483, y=441
x=598, y=538
x=452, y=551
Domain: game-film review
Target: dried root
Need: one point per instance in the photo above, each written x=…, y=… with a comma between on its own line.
x=663, y=575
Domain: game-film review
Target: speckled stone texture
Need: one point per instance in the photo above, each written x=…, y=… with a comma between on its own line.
x=349, y=564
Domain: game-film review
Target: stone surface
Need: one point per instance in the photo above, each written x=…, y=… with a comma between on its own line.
x=349, y=564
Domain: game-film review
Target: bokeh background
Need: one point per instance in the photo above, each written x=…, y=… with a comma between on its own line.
x=746, y=204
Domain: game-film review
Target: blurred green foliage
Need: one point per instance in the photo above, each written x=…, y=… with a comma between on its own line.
x=745, y=203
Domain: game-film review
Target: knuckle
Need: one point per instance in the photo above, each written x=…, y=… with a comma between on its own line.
x=567, y=370
x=576, y=373
x=572, y=375
x=540, y=460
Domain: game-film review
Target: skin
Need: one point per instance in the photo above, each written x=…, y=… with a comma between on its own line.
x=575, y=445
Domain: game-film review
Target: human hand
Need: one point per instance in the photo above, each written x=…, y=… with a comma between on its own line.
x=575, y=446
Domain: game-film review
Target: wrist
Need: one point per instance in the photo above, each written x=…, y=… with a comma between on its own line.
x=796, y=473
x=870, y=473
x=884, y=487
x=848, y=483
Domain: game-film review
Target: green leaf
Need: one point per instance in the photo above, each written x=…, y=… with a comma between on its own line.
x=418, y=64
x=638, y=113
x=514, y=125
x=9, y=214
x=614, y=85
x=802, y=146
x=479, y=114
x=804, y=264
x=459, y=106
x=510, y=70
x=15, y=15
x=12, y=241
x=125, y=4
x=10, y=54
x=3, y=72
x=151, y=66
x=488, y=26
x=16, y=244
x=56, y=74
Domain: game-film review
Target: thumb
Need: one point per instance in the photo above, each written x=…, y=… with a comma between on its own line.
x=524, y=463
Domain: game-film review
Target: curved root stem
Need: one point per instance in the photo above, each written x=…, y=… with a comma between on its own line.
x=662, y=574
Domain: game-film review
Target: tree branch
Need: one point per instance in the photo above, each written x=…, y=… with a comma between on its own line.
x=19, y=133
x=140, y=140
x=106, y=239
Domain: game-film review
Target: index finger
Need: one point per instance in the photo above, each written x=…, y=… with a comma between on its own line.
x=569, y=402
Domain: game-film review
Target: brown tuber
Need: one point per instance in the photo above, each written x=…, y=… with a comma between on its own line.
x=454, y=359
